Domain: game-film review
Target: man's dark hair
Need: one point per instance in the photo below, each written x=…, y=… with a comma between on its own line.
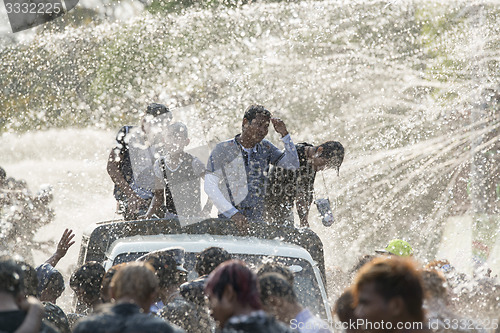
x=253, y=110
x=49, y=280
x=165, y=267
x=274, y=267
x=156, y=109
x=88, y=278
x=274, y=284
x=106, y=281
x=56, y=284
x=394, y=277
x=236, y=274
x=11, y=276
x=56, y=316
x=361, y=262
x=208, y=260
x=344, y=307
x=333, y=151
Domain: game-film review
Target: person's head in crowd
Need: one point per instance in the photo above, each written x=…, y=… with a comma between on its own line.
x=193, y=291
x=328, y=155
x=255, y=124
x=442, y=265
x=208, y=260
x=389, y=289
x=86, y=283
x=135, y=282
x=278, y=297
x=232, y=290
x=50, y=283
x=11, y=281
x=397, y=247
x=30, y=278
x=106, y=283
x=435, y=285
x=361, y=262
x=44, y=196
x=168, y=266
x=274, y=267
x=176, y=139
x=56, y=316
x=156, y=119
x=344, y=309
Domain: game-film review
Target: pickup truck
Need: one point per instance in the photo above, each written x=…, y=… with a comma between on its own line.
x=301, y=250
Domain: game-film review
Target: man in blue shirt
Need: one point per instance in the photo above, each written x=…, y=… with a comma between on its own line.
x=237, y=168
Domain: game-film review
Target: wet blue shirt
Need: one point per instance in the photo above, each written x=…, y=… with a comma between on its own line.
x=306, y=322
x=241, y=174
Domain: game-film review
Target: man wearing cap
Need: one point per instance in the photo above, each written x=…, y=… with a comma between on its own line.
x=289, y=187
x=237, y=168
x=130, y=163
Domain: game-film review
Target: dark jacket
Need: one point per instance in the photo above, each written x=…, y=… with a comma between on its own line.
x=124, y=318
x=183, y=314
x=11, y=320
x=56, y=316
x=256, y=322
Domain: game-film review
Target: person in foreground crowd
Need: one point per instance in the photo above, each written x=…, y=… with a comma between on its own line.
x=389, y=296
x=13, y=302
x=86, y=283
x=192, y=291
x=53, y=314
x=134, y=288
x=287, y=188
x=233, y=298
x=169, y=269
x=344, y=309
x=237, y=168
x=50, y=280
x=209, y=259
x=274, y=267
x=279, y=299
x=168, y=266
x=130, y=163
x=106, y=283
x=437, y=305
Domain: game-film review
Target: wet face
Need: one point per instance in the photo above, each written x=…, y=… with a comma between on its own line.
x=257, y=129
x=153, y=125
x=221, y=309
x=175, y=142
x=372, y=306
x=320, y=163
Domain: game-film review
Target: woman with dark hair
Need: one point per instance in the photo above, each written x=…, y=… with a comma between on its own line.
x=234, y=300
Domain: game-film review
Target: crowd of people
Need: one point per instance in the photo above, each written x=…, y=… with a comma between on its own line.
x=249, y=180
x=389, y=291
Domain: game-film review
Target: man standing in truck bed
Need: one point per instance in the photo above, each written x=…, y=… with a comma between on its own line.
x=237, y=168
x=130, y=163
